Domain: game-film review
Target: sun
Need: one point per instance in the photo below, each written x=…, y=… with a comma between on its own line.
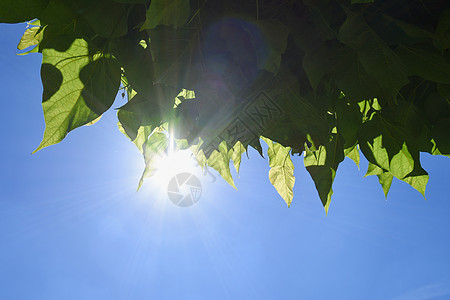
x=172, y=163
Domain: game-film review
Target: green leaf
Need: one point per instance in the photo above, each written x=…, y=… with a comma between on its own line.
x=58, y=12
x=114, y=24
x=268, y=55
x=320, y=76
x=379, y=147
x=443, y=31
x=368, y=108
x=373, y=169
x=78, y=88
x=444, y=23
x=148, y=109
x=353, y=154
x=182, y=144
x=15, y=11
x=282, y=178
x=140, y=137
x=383, y=144
x=236, y=154
x=411, y=122
x=349, y=119
x=32, y=36
x=418, y=179
x=323, y=14
x=129, y=123
x=304, y=114
x=153, y=148
x=377, y=58
x=60, y=37
x=220, y=161
x=441, y=135
x=136, y=61
x=350, y=75
x=173, y=51
x=167, y=12
x=281, y=173
x=129, y=90
x=93, y=121
x=317, y=64
x=131, y=1
x=322, y=165
x=184, y=95
x=412, y=30
x=444, y=91
x=424, y=63
x=199, y=155
x=384, y=178
x=402, y=163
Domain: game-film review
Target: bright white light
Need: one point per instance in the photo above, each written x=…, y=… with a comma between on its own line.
x=174, y=163
x=166, y=167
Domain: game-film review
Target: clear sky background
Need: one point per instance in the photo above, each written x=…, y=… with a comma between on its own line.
x=72, y=225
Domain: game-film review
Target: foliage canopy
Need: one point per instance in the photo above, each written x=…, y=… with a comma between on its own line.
x=322, y=78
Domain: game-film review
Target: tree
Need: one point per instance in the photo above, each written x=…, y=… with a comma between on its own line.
x=324, y=79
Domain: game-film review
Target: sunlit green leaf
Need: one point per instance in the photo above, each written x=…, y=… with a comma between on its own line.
x=78, y=88
x=322, y=77
x=141, y=137
x=153, y=148
x=31, y=37
x=220, y=161
x=93, y=121
x=282, y=178
x=236, y=154
x=199, y=155
x=281, y=173
x=384, y=177
x=387, y=149
x=418, y=179
x=353, y=154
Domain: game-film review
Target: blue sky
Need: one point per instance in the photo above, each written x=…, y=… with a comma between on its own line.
x=72, y=225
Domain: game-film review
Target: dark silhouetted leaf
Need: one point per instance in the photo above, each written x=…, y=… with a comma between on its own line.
x=15, y=11
x=376, y=57
x=424, y=63
x=171, y=12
